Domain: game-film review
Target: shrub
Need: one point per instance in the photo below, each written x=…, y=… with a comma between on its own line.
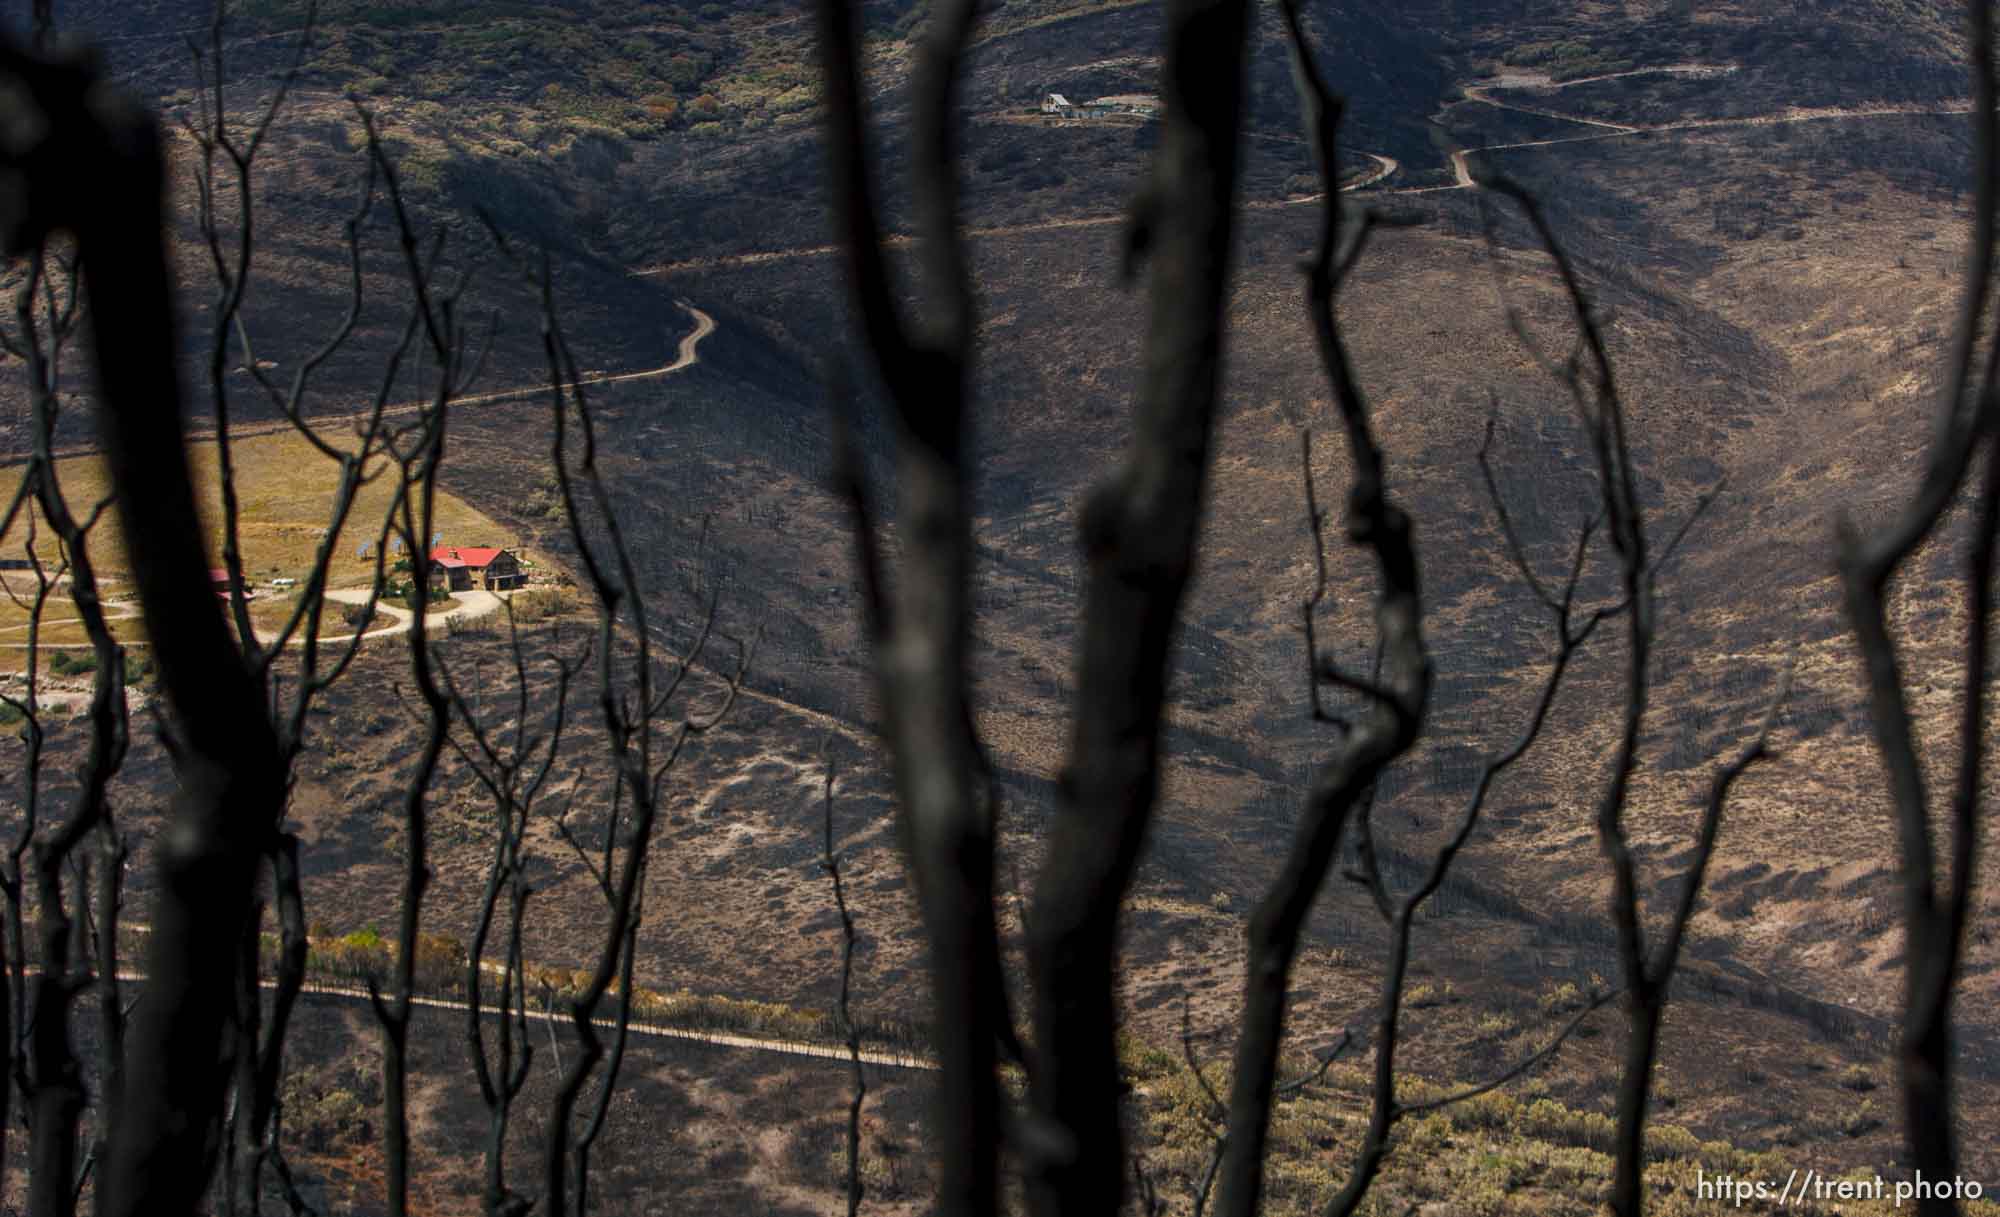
x=322, y=1115
x=794, y=100
x=540, y=603
x=405, y=593
x=1141, y=1059
x=1861, y=1121
x=1423, y=997
x=1500, y=1172
x=880, y=1177
x=458, y=625
x=360, y=953
x=1671, y=1141
x=1562, y=999
x=73, y=663
x=1549, y=1120
x=683, y=71
x=440, y=961
x=1494, y=1111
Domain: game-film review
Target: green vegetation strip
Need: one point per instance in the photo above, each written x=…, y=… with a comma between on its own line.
x=363, y=958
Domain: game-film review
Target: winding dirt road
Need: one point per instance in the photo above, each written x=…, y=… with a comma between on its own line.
x=1481, y=93
x=471, y=606
x=686, y=355
x=1462, y=171
x=1543, y=82
x=466, y=607
x=1384, y=166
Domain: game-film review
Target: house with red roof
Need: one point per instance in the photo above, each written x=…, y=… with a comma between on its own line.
x=461, y=568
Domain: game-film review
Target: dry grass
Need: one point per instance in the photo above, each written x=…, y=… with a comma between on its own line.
x=1498, y=1154
x=62, y=628
x=286, y=495
x=60, y=624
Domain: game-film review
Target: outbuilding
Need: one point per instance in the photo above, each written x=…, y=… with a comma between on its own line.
x=218, y=578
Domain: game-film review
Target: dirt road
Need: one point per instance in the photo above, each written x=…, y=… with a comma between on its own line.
x=686, y=355
x=1463, y=173
x=1481, y=93
x=1384, y=166
x=466, y=607
x=722, y=1039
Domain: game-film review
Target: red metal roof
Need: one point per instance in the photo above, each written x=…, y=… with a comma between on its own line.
x=475, y=557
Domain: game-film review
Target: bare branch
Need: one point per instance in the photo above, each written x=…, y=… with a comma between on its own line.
x=1398, y=694
x=1937, y=906
x=1596, y=1002
x=842, y=1011
x=920, y=639
x=1505, y=519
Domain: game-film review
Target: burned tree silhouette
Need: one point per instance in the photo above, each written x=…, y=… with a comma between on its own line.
x=1937, y=899
x=1137, y=536
x=93, y=167
x=1138, y=533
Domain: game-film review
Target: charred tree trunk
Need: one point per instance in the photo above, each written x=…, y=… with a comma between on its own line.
x=97, y=172
x=1138, y=533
